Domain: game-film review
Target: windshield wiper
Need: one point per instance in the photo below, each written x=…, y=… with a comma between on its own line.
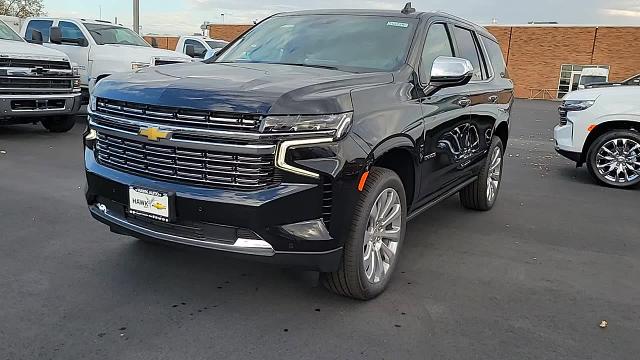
x=311, y=66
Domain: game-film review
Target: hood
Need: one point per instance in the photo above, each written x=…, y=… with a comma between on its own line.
x=22, y=49
x=139, y=53
x=243, y=88
x=594, y=93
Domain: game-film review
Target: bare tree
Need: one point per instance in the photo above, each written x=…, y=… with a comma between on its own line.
x=22, y=8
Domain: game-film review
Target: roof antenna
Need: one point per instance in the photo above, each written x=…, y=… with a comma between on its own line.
x=408, y=9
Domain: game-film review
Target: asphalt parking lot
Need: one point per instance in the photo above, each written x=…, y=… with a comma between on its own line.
x=532, y=279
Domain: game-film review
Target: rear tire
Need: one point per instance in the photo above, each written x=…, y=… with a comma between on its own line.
x=613, y=159
x=373, y=245
x=59, y=124
x=482, y=194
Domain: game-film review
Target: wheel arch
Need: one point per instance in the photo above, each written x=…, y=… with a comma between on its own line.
x=399, y=154
x=502, y=131
x=604, y=128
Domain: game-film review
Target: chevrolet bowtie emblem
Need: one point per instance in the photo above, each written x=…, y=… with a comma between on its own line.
x=154, y=134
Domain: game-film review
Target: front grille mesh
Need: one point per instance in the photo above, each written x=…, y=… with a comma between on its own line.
x=162, y=115
x=32, y=63
x=201, y=167
x=35, y=83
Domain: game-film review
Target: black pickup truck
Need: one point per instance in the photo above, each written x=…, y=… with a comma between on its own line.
x=309, y=141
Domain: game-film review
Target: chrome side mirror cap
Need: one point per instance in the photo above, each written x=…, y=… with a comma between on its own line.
x=450, y=71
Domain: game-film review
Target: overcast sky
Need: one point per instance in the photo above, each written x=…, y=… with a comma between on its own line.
x=185, y=16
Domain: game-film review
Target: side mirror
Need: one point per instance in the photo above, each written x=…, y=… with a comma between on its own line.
x=36, y=37
x=190, y=50
x=210, y=53
x=55, y=35
x=450, y=71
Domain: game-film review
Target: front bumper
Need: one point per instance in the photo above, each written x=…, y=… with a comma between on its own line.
x=248, y=223
x=13, y=108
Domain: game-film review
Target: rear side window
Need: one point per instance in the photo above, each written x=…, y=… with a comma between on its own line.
x=468, y=49
x=495, y=55
x=44, y=26
x=437, y=44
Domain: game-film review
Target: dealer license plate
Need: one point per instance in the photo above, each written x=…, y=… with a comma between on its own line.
x=152, y=204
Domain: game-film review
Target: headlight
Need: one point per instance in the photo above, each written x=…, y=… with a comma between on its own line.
x=577, y=105
x=135, y=66
x=75, y=69
x=338, y=123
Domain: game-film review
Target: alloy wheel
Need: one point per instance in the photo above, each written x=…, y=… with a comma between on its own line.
x=618, y=160
x=495, y=173
x=381, y=239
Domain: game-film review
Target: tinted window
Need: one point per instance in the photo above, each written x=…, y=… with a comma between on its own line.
x=70, y=31
x=436, y=44
x=198, y=48
x=495, y=55
x=44, y=26
x=347, y=42
x=469, y=50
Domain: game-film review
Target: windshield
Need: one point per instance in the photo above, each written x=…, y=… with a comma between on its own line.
x=6, y=33
x=109, y=34
x=216, y=44
x=345, y=42
x=590, y=79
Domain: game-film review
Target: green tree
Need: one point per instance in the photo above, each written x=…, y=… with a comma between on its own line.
x=22, y=8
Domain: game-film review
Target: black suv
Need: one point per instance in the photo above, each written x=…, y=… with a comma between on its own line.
x=309, y=141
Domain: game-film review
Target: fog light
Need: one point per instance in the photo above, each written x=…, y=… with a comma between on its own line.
x=307, y=230
x=91, y=135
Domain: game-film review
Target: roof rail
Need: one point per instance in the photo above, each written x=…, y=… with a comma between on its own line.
x=408, y=9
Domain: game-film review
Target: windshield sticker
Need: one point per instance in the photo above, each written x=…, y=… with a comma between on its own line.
x=287, y=26
x=397, y=24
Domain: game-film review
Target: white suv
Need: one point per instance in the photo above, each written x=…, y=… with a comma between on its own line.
x=601, y=127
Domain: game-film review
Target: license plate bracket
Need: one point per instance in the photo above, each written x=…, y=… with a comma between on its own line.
x=152, y=204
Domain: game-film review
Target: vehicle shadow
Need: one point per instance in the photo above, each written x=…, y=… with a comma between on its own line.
x=578, y=175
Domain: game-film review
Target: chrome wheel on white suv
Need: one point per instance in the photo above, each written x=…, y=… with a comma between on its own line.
x=614, y=158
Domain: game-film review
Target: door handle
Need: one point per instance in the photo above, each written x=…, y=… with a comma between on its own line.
x=493, y=99
x=464, y=102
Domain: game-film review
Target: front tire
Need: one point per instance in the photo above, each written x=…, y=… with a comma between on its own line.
x=614, y=159
x=482, y=194
x=59, y=124
x=375, y=239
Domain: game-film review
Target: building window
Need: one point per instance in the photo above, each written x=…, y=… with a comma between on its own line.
x=573, y=77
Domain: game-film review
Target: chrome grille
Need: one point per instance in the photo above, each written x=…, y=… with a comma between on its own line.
x=195, y=119
x=35, y=76
x=201, y=167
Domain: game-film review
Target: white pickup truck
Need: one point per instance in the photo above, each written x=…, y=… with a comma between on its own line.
x=100, y=48
x=36, y=84
x=199, y=47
